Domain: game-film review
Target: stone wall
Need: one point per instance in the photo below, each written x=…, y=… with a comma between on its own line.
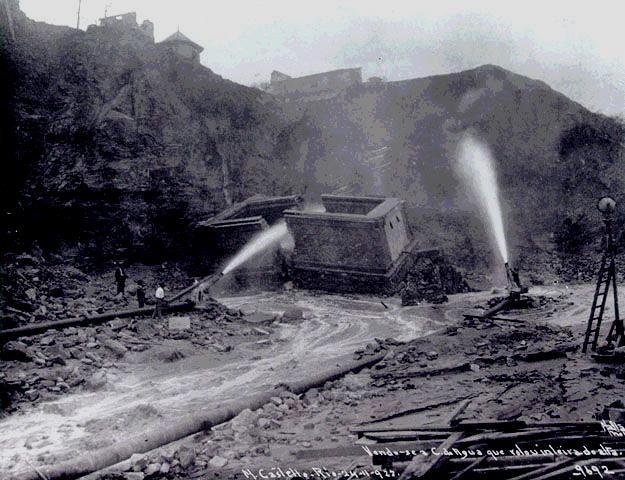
x=359, y=251
x=338, y=241
x=224, y=234
x=333, y=81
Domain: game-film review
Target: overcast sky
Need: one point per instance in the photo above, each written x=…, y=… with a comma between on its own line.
x=575, y=46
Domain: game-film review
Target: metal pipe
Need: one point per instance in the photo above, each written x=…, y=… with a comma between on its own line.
x=152, y=438
x=36, y=328
x=497, y=308
x=208, y=281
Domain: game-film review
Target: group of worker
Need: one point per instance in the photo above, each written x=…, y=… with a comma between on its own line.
x=159, y=294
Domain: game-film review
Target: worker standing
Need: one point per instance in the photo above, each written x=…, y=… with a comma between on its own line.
x=141, y=294
x=120, y=279
x=198, y=292
x=160, y=301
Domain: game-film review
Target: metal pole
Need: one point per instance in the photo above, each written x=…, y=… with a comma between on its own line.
x=7, y=9
x=618, y=325
x=78, y=15
x=617, y=320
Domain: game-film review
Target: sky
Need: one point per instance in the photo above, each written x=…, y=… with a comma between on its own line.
x=574, y=46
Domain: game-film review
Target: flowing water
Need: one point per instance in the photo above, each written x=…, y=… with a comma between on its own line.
x=142, y=394
x=476, y=167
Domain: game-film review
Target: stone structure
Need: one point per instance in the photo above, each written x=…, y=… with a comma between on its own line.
x=128, y=21
x=375, y=80
x=359, y=244
x=316, y=85
x=221, y=236
x=183, y=46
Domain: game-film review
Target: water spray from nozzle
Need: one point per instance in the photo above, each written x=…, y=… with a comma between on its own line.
x=260, y=243
x=475, y=165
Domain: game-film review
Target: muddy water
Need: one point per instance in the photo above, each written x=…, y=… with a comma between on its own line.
x=142, y=394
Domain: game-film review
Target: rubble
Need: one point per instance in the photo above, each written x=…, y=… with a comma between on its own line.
x=522, y=372
x=431, y=280
x=43, y=366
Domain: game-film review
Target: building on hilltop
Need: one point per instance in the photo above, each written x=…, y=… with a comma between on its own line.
x=277, y=76
x=128, y=21
x=319, y=85
x=375, y=80
x=183, y=46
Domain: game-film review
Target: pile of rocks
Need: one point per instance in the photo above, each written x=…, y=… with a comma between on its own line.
x=34, y=289
x=377, y=346
x=43, y=366
x=431, y=280
x=287, y=421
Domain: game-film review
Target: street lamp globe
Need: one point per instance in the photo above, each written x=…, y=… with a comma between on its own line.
x=607, y=206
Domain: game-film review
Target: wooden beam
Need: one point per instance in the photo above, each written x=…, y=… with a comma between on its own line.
x=420, y=465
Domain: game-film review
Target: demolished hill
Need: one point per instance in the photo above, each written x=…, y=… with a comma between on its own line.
x=116, y=146
x=116, y=142
x=553, y=156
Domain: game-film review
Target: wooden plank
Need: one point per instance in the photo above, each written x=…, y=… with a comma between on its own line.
x=544, y=470
x=501, y=319
x=491, y=425
x=565, y=467
x=365, y=426
x=406, y=435
x=452, y=368
x=459, y=410
x=420, y=465
x=468, y=468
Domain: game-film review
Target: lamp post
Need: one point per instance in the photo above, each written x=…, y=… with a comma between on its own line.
x=605, y=279
x=607, y=207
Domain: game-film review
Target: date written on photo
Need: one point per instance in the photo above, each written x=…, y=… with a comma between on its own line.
x=316, y=473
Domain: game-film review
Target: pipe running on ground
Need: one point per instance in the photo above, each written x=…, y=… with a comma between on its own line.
x=37, y=328
x=158, y=437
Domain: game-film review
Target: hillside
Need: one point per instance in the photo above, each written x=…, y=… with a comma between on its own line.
x=115, y=138
x=116, y=146
x=554, y=158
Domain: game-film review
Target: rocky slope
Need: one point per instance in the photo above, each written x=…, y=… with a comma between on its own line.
x=553, y=157
x=120, y=143
x=116, y=146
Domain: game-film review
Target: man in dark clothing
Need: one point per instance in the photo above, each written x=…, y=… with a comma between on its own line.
x=120, y=279
x=140, y=294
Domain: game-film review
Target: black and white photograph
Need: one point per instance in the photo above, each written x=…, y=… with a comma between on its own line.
x=330, y=240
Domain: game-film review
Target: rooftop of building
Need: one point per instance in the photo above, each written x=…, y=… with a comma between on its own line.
x=330, y=72
x=179, y=37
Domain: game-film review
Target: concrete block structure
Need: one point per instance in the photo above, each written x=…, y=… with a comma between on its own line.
x=224, y=234
x=128, y=22
x=359, y=244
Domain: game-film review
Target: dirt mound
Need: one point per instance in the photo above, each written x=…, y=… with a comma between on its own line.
x=431, y=280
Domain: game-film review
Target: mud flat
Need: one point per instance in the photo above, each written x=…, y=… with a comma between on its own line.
x=531, y=371
x=272, y=338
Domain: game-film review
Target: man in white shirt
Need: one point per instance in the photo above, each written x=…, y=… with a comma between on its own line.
x=160, y=301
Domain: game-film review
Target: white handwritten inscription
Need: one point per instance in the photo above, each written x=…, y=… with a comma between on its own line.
x=317, y=473
x=613, y=429
x=602, y=451
x=591, y=471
